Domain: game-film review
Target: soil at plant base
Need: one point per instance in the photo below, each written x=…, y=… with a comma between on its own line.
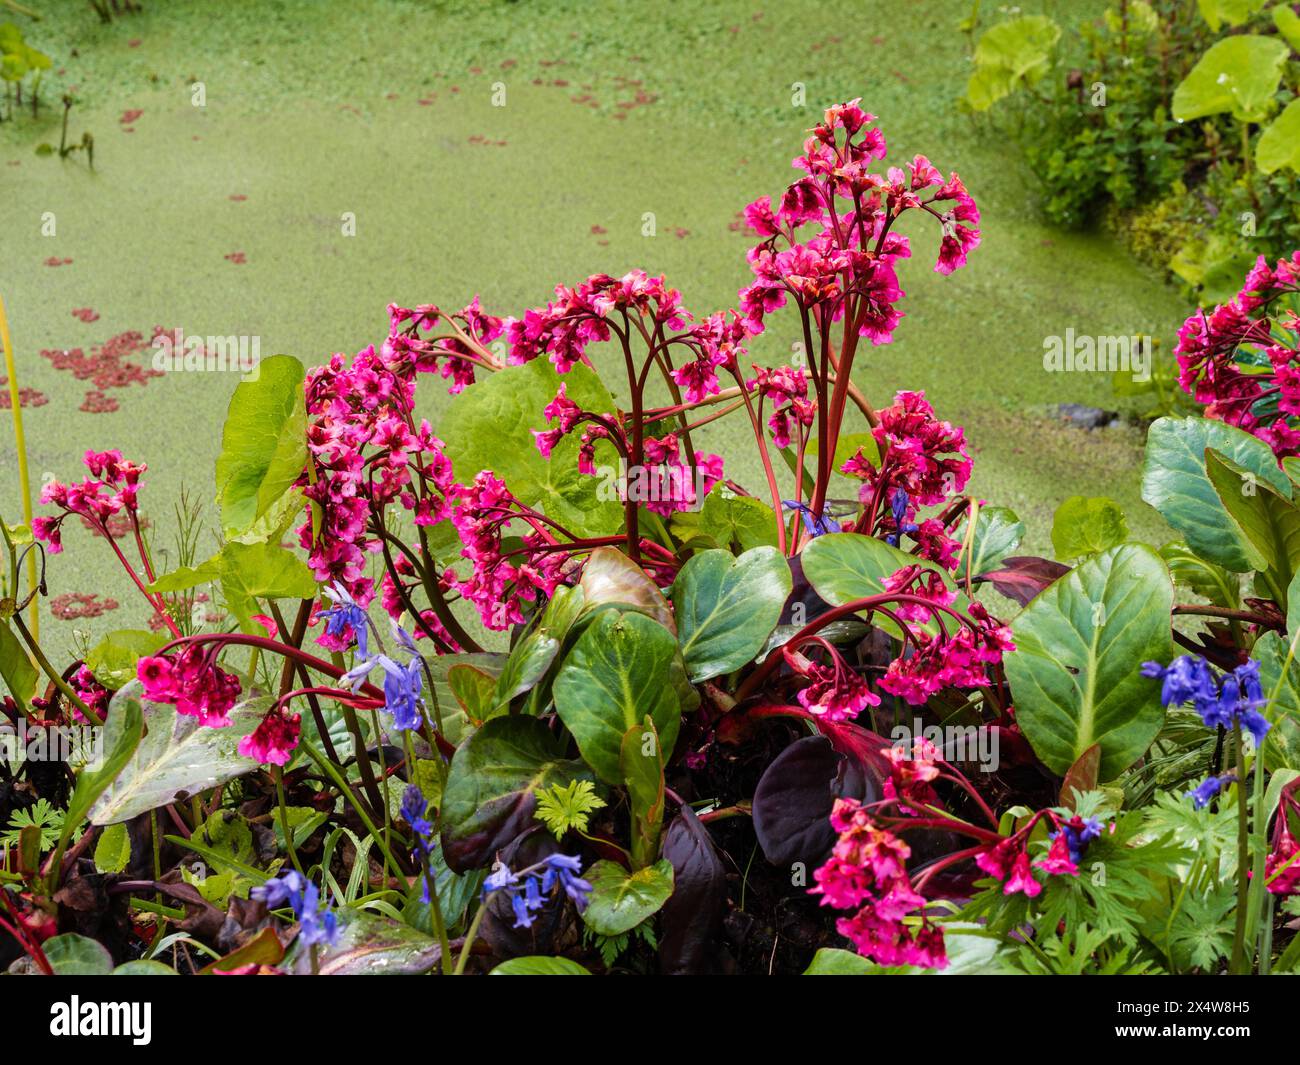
x=228, y=218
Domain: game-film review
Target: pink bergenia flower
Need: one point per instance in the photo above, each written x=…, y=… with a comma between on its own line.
x=274, y=739
x=867, y=872
x=193, y=683
x=1211, y=369
x=112, y=488
x=836, y=693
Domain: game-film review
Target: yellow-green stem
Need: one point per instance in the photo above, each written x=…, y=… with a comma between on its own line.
x=20, y=446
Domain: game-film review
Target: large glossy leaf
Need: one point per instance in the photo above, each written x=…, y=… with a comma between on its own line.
x=609, y=576
x=843, y=567
x=263, y=443
x=1233, y=12
x=1174, y=481
x=616, y=674
x=1268, y=523
x=247, y=572
x=127, y=721
x=727, y=607
x=1204, y=578
x=998, y=532
x=113, y=659
x=539, y=965
x=75, y=955
x=1074, y=674
x=494, y=419
x=1279, y=144
x=491, y=788
x=621, y=900
x=1288, y=25
x=176, y=758
x=1280, y=680
x=456, y=722
x=1084, y=526
x=793, y=800
x=369, y=944
x=1011, y=54
x=642, y=764
x=16, y=667
x=1236, y=76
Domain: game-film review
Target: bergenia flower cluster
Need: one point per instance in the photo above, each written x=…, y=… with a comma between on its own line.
x=867, y=873
x=1008, y=860
x=852, y=250
x=1242, y=359
x=1282, y=866
x=192, y=682
x=112, y=488
x=958, y=660
x=367, y=452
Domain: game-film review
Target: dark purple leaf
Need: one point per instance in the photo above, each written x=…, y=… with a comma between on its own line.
x=1024, y=576
x=793, y=800
x=692, y=917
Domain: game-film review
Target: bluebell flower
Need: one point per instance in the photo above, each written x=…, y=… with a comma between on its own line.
x=292, y=889
x=563, y=870
x=404, y=639
x=500, y=877
x=898, y=504
x=529, y=888
x=402, y=685
x=1188, y=679
x=346, y=614
x=1207, y=789
x=1256, y=724
x=280, y=890
x=414, y=805
x=1233, y=699
x=816, y=524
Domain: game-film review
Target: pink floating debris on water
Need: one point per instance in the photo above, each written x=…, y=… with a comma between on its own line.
x=98, y=403
x=238, y=197
x=129, y=117
x=73, y=605
x=86, y=314
x=27, y=397
x=237, y=257
x=54, y=260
